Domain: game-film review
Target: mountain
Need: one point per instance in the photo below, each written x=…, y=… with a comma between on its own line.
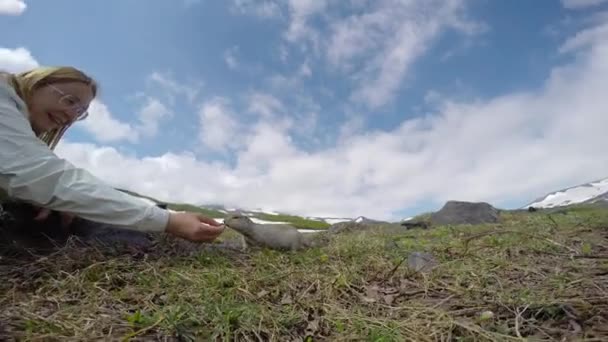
x=592, y=192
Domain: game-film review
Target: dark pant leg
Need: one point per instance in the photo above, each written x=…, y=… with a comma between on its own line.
x=106, y=234
x=18, y=228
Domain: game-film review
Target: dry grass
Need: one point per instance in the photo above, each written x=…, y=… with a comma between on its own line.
x=531, y=276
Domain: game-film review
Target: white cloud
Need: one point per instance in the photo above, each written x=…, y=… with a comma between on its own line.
x=586, y=38
x=373, y=43
x=579, y=4
x=16, y=60
x=12, y=7
x=513, y=147
x=150, y=115
x=218, y=128
x=168, y=176
x=283, y=53
x=230, y=57
x=268, y=141
x=102, y=125
x=259, y=8
x=305, y=70
x=300, y=11
x=265, y=105
x=171, y=88
x=383, y=42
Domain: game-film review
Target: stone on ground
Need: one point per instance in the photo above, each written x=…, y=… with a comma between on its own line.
x=459, y=212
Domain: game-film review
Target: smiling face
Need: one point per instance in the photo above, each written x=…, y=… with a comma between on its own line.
x=55, y=105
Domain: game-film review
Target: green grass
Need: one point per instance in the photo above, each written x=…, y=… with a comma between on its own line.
x=537, y=276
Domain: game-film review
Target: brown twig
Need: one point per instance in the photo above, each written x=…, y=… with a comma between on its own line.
x=480, y=235
x=392, y=272
x=517, y=318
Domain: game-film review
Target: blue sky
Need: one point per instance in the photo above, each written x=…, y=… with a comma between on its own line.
x=343, y=108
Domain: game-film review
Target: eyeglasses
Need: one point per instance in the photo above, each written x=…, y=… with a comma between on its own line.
x=72, y=103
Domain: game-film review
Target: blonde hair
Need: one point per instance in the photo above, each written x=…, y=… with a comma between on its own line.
x=25, y=83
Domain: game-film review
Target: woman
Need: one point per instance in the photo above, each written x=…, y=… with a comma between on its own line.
x=36, y=108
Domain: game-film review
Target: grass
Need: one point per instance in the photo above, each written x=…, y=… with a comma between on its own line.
x=533, y=275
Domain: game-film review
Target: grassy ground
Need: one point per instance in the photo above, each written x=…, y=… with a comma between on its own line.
x=537, y=276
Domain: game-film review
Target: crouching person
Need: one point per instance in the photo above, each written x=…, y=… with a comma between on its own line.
x=40, y=192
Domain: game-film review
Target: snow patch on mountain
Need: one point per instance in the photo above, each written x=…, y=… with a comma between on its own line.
x=334, y=220
x=256, y=220
x=588, y=192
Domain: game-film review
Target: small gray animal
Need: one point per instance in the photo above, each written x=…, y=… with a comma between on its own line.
x=278, y=236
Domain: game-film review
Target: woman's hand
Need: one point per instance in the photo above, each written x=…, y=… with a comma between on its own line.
x=193, y=227
x=66, y=218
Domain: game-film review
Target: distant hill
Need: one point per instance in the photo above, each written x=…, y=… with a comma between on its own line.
x=595, y=192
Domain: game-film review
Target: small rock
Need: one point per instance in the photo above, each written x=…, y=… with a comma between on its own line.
x=458, y=212
x=421, y=261
x=262, y=294
x=486, y=315
x=415, y=224
x=286, y=300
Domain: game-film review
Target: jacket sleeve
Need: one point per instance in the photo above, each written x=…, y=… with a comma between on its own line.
x=30, y=171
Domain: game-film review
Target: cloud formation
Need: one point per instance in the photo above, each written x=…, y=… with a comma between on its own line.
x=259, y=8
x=150, y=115
x=510, y=148
x=218, y=127
x=372, y=43
x=506, y=150
x=12, y=7
x=104, y=127
x=381, y=45
x=580, y=4
x=16, y=60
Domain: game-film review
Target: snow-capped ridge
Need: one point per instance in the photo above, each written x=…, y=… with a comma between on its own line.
x=591, y=192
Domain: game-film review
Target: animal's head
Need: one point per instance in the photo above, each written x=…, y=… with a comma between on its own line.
x=238, y=221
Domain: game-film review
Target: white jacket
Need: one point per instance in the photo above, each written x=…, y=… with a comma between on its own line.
x=30, y=171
